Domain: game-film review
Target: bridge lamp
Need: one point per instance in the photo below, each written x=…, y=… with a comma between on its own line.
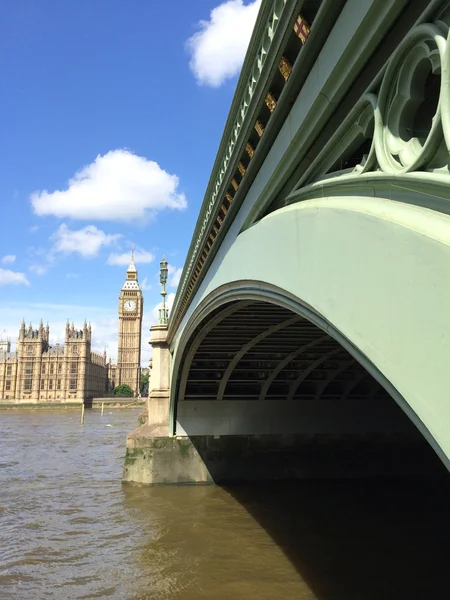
x=163, y=310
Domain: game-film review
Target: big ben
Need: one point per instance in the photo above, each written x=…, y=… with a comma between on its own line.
x=131, y=308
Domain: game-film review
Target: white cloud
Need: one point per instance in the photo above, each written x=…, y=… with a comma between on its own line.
x=39, y=269
x=117, y=186
x=145, y=285
x=72, y=275
x=218, y=49
x=33, y=228
x=8, y=277
x=8, y=259
x=175, y=275
x=155, y=310
x=86, y=241
x=123, y=260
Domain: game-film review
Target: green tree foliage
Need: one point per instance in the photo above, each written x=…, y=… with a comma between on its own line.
x=144, y=383
x=123, y=390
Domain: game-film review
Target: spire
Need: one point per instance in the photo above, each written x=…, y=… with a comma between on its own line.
x=132, y=266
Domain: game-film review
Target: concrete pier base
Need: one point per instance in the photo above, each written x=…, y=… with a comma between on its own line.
x=156, y=459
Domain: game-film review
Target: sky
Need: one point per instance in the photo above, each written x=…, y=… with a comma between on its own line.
x=111, y=113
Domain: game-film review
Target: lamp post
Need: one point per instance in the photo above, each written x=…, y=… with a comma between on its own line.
x=163, y=310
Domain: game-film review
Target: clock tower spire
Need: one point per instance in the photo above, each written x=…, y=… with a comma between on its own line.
x=131, y=306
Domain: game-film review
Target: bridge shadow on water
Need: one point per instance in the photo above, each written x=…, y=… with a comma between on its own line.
x=373, y=539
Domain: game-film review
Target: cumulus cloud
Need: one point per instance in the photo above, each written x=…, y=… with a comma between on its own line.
x=218, y=49
x=123, y=260
x=117, y=186
x=86, y=241
x=8, y=259
x=8, y=277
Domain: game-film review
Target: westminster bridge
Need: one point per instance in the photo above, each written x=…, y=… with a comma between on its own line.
x=312, y=314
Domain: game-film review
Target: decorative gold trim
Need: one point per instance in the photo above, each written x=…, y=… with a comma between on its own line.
x=259, y=126
x=229, y=197
x=285, y=67
x=241, y=168
x=270, y=102
x=235, y=184
x=250, y=150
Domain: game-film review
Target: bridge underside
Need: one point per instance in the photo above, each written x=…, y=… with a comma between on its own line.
x=264, y=393
x=255, y=367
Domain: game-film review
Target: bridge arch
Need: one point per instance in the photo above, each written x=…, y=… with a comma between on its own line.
x=293, y=354
x=338, y=295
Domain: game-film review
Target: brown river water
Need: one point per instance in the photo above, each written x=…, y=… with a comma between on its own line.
x=70, y=530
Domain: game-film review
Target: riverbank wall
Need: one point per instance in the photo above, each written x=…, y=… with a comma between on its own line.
x=93, y=403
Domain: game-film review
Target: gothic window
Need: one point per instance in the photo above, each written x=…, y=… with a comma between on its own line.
x=73, y=384
x=52, y=369
x=27, y=384
x=9, y=370
x=50, y=384
x=58, y=384
x=42, y=384
x=28, y=368
x=43, y=370
x=30, y=349
x=8, y=385
x=60, y=368
x=73, y=368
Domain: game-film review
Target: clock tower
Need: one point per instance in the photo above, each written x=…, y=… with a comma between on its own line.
x=131, y=307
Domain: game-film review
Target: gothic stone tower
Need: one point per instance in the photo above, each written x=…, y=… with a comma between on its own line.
x=131, y=307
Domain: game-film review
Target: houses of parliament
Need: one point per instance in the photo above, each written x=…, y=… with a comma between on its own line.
x=39, y=372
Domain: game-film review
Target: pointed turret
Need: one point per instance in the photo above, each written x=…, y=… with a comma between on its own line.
x=22, y=330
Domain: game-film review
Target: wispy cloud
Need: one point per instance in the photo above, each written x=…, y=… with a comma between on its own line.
x=117, y=186
x=145, y=285
x=218, y=48
x=123, y=260
x=8, y=259
x=175, y=275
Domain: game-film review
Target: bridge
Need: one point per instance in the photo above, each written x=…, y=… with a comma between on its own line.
x=313, y=309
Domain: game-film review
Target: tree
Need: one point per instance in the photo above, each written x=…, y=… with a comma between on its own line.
x=123, y=390
x=144, y=384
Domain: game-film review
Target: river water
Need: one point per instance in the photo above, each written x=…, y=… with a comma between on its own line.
x=70, y=530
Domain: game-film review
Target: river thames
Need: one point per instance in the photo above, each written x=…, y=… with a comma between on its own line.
x=71, y=530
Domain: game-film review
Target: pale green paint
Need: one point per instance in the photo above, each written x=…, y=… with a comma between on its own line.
x=378, y=272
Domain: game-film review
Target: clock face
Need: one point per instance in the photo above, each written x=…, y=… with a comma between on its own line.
x=129, y=305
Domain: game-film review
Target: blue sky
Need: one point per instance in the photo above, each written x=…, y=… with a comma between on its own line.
x=111, y=113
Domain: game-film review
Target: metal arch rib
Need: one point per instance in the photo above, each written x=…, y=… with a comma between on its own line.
x=201, y=336
x=353, y=384
x=332, y=376
x=295, y=384
x=237, y=357
x=285, y=361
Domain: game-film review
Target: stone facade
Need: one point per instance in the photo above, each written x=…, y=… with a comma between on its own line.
x=131, y=308
x=38, y=372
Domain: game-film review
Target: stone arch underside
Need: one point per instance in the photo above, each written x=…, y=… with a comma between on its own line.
x=261, y=351
x=255, y=368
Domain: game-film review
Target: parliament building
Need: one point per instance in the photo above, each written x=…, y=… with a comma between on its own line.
x=72, y=372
